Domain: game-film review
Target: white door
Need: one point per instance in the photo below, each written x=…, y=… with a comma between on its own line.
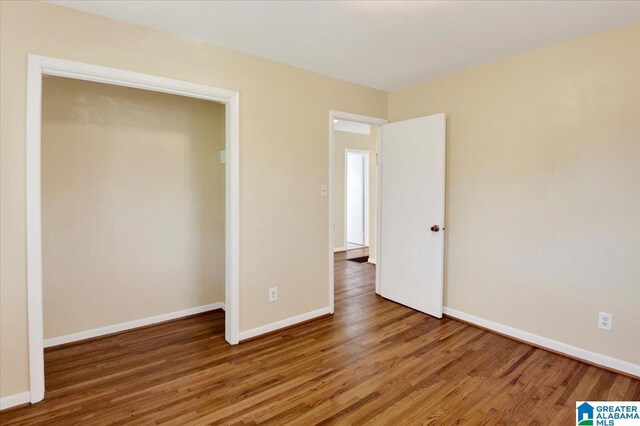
x=356, y=197
x=411, y=247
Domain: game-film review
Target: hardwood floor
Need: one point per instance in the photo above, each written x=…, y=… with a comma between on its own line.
x=373, y=362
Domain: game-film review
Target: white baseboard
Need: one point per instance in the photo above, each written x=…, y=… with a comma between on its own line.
x=372, y=260
x=96, y=332
x=554, y=345
x=14, y=400
x=336, y=250
x=284, y=323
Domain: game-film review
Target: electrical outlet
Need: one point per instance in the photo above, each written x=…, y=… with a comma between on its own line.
x=273, y=294
x=605, y=321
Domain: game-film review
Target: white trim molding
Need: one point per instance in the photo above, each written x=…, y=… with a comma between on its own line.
x=129, y=325
x=39, y=66
x=371, y=260
x=14, y=400
x=378, y=229
x=339, y=115
x=544, y=342
x=274, y=326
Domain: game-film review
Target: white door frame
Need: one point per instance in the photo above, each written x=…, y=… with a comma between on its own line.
x=366, y=193
x=339, y=115
x=38, y=66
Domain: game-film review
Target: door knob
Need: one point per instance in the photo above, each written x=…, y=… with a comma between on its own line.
x=435, y=228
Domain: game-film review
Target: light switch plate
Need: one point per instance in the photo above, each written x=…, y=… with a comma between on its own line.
x=323, y=190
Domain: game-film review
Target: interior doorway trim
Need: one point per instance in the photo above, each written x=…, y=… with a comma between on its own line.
x=340, y=115
x=39, y=66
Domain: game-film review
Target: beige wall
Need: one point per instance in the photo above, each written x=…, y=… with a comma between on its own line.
x=543, y=190
x=283, y=157
x=344, y=140
x=133, y=197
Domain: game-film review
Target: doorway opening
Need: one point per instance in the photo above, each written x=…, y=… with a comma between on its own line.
x=228, y=101
x=353, y=181
x=133, y=208
x=356, y=224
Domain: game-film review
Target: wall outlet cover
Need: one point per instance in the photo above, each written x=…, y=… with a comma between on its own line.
x=273, y=294
x=605, y=321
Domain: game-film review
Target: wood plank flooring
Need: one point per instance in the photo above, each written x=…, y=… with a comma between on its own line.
x=372, y=362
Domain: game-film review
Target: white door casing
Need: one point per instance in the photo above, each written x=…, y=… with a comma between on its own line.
x=39, y=66
x=333, y=116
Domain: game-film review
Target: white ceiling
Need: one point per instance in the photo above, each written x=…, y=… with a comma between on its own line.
x=381, y=44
